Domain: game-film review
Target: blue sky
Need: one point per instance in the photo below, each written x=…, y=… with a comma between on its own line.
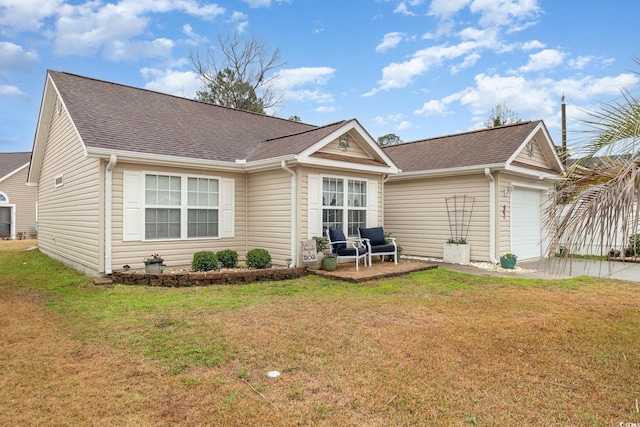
x=416, y=68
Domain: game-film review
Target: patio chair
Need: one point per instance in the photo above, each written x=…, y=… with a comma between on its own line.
x=377, y=243
x=346, y=249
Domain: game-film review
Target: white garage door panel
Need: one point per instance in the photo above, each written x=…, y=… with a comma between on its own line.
x=526, y=223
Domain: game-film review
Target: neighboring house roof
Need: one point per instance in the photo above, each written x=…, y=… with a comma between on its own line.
x=12, y=162
x=489, y=147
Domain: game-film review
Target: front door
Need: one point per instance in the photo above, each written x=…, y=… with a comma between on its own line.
x=5, y=222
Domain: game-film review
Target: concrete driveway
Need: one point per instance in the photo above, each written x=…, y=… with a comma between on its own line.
x=560, y=269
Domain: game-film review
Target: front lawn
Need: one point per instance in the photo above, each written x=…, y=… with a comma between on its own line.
x=433, y=348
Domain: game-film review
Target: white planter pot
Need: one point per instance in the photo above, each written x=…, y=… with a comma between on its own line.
x=316, y=265
x=456, y=254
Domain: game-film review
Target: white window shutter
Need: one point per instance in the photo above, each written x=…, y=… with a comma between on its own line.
x=314, y=209
x=227, y=207
x=133, y=206
x=372, y=203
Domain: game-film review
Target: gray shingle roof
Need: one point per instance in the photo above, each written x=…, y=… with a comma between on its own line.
x=118, y=117
x=481, y=147
x=9, y=162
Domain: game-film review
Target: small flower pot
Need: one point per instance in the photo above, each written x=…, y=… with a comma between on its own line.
x=330, y=263
x=155, y=268
x=508, y=263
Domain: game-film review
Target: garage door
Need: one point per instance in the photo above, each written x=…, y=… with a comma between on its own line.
x=526, y=223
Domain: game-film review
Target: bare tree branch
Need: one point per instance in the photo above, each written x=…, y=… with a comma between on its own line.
x=239, y=73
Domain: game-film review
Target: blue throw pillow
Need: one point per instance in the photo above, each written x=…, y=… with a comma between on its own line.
x=337, y=235
x=375, y=235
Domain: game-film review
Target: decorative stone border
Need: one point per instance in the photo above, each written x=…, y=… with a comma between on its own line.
x=208, y=278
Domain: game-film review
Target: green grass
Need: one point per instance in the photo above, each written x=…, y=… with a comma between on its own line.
x=434, y=347
x=165, y=324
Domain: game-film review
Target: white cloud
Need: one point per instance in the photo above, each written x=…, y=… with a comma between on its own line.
x=14, y=57
x=433, y=107
x=25, y=15
x=325, y=109
x=545, y=59
x=580, y=62
x=379, y=120
x=399, y=75
x=180, y=83
x=118, y=30
x=444, y=9
x=292, y=77
x=240, y=20
x=194, y=38
x=469, y=61
x=300, y=84
x=263, y=3
x=403, y=125
x=258, y=3
x=403, y=9
x=531, y=99
x=504, y=12
x=533, y=44
x=12, y=92
x=390, y=40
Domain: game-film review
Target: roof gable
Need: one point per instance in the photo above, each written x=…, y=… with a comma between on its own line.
x=10, y=163
x=491, y=147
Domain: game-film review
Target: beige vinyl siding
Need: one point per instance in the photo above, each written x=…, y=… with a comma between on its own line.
x=24, y=198
x=177, y=253
x=269, y=219
x=415, y=212
x=538, y=159
x=355, y=150
x=69, y=225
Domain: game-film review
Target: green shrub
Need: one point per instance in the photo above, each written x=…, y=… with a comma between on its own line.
x=258, y=258
x=204, y=261
x=228, y=258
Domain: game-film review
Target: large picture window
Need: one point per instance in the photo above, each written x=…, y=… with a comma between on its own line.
x=344, y=204
x=176, y=206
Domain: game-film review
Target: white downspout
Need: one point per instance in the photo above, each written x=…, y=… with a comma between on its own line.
x=108, y=190
x=492, y=215
x=294, y=216
x=385, y=178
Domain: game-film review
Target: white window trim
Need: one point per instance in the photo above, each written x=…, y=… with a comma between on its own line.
x=6, y=198
x=55, y=181
x=184, y=206
x=345, y=208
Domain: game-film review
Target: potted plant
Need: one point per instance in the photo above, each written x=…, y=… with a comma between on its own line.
x=508, y=260
x=322, y=243
x=330, y=262
x=154, y=264
x=456, y=251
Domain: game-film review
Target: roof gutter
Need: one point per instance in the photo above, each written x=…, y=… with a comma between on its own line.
x=108, y=190
x=294, y=210
x=492, y=215
x=445, y=172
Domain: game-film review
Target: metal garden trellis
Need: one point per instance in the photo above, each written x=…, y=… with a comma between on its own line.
x=459, y=211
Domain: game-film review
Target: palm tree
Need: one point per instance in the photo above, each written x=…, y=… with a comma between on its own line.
x=597, y=201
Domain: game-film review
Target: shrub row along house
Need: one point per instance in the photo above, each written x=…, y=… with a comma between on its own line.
x=124, y=172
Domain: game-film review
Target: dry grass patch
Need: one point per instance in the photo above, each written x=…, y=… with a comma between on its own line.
x=432, y=348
